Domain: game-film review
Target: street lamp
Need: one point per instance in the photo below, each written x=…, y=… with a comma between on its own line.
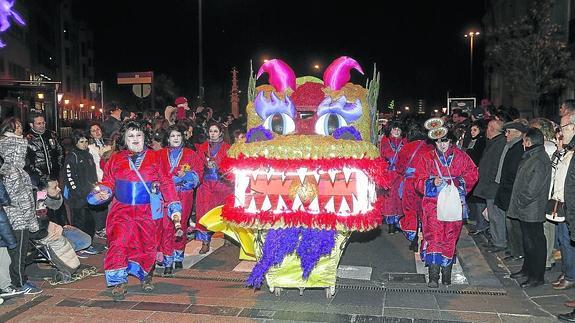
x=471, y=35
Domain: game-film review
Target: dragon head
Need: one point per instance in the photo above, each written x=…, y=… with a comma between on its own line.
x=308, y=160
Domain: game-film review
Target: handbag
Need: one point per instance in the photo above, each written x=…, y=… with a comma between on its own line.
x=555, y=211
x=449, y=208
x=156, y=199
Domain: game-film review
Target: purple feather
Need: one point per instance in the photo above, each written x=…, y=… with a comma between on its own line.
x=314, y=244
x=349, y=133
x=258, y=133
x=279, y=243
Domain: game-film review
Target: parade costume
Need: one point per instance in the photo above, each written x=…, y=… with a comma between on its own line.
x=410, y=199
x=306, y=176
x=440, y=237
x=130, y=227
x=184, y=160
x=390, y=148
x=214, y=188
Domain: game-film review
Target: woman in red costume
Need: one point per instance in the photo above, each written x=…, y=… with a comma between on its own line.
x=410, y=199
x=129, y=176
x=214, y=188
x=389, y=148
x=436, y=170
x=186, y=169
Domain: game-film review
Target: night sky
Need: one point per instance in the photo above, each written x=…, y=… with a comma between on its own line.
x=418, y=46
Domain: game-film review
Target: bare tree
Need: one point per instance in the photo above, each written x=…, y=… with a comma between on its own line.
x=530, y=56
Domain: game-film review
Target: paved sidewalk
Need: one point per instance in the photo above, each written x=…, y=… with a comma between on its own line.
x=391, y=288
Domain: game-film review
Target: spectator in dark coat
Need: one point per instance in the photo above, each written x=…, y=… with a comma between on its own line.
x=474, y=148
x=114, y=121
x=79, y=179
x=486, y=187
x=477, y=142
x=505, y=177
x=528, y=200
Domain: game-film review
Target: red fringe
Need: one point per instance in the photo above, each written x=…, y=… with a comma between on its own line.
x=363, y=222
x=375, y=168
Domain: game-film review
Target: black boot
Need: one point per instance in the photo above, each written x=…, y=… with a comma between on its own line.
x=205, y=247
x=119, y=292
x=168, y=271
x=414, y=245
x=147, y=284
x=178, y=265
x=446, y=274
x=433, y=276
x=391, y=228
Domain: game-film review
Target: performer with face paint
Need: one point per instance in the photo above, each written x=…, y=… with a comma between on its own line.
x=214, y=189
x=390, y=147
x=437, y=169
x=129, y=177
x=186, y=169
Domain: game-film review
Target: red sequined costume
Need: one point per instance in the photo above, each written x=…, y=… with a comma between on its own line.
x=439, y=237
x=130, y=228
x=408, y=157
x=214, y=188
x=185, y=162
x=389, y=149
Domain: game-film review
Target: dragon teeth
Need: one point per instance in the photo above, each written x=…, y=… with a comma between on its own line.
x=347, y=174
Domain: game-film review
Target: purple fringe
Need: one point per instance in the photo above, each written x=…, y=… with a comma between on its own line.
x=346, y=132
x=314, y=244
x=258, y=133
x=279, y=243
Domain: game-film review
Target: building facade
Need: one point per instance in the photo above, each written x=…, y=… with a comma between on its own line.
x=47, y=64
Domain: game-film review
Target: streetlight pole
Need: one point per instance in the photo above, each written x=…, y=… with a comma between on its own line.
x=471, y=35
x=200, y=55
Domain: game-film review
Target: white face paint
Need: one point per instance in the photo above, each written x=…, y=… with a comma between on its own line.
x=214, y=133
x=134, y=140
x=443, y=146
x=175, y=139
x=395, y=132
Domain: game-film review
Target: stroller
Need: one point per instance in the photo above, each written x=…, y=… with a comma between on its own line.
x=60, y=255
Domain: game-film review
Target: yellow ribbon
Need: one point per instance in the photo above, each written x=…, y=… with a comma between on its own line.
x=214, y=222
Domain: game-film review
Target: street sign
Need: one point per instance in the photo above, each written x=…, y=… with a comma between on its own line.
x=464, y=104
x=142, y=90
x=135, y=78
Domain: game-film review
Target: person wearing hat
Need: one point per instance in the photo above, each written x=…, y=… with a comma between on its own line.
x=114, y=121
x=444, y=168
x=182, y=107
x=506, y=232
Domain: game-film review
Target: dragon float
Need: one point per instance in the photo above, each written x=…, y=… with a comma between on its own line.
x=306, y=176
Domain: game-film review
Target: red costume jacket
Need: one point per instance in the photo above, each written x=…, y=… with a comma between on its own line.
x=439, y=237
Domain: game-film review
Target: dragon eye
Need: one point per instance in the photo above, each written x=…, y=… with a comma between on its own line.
x=279, y=123
x=328, y=123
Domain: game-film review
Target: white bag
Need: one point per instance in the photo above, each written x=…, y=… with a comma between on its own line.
x=449, y=207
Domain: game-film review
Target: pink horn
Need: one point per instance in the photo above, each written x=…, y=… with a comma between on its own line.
x=337, y=73
x=281, y=76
